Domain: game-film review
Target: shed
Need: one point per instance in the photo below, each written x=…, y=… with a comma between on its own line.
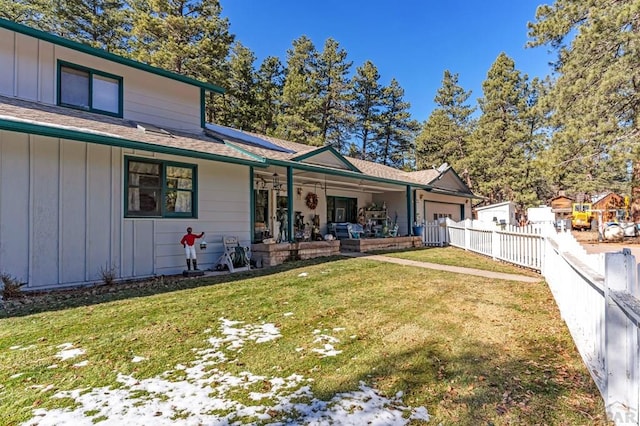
x=499, y=212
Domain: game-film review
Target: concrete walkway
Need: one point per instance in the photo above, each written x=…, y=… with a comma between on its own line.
x=447, y=268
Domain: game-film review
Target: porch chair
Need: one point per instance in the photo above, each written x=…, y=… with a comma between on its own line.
x=235, y=257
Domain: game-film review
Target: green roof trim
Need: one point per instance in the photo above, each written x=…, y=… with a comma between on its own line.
x=455, y=193
x=345, y=173
x=331, y=149
x=56, y=132
x=242, y=150
x=80, y=47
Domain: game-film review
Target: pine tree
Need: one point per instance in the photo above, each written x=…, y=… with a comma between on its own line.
x=270, y=82
x=397, y=131
x=299, y=120
x=367, y=95
x=104, y=24
x=184, y=36
x=445, y=135
x=595, y=100
x=334, y=91
x=498, y=156
x=241, y=107
x=34, y=13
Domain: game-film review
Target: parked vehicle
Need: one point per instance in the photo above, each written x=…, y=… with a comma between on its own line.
x=581, y=216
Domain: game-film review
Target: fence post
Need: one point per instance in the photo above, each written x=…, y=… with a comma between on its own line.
x=621, y=341
x=495, y=244
x=467, y=233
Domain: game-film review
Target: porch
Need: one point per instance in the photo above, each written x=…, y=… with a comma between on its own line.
x=266, y=255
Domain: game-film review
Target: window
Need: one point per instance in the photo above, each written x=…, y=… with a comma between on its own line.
x=160, y=189
x=342, y=209
x=88, y=89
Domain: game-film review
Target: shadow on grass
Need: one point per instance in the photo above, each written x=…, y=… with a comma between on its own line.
x=487, y=384
x=34, y=302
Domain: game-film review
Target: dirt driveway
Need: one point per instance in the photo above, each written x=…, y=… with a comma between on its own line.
x=589, y=241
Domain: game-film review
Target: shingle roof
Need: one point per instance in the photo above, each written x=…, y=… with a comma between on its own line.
x=27, y=112
x=425, y=176
x=22, y=111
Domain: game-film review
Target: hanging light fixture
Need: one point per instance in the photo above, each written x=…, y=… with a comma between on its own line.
x=275, y=181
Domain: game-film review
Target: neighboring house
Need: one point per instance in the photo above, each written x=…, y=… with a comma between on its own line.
x=609, y=203
x=561, y=207
x=105, y=161
x=501, y=213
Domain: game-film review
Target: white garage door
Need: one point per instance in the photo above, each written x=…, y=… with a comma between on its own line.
x=434, y=210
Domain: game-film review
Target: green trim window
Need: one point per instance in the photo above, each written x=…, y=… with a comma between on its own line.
x=160, y=189
x=89, y=90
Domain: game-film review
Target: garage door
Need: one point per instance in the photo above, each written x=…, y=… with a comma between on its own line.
x=434, y=210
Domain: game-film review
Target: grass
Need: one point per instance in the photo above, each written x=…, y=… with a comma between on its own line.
x=472, y=350
x=453, y=256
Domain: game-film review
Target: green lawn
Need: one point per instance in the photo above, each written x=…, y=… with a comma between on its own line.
x=333, y=339
x=454, y=256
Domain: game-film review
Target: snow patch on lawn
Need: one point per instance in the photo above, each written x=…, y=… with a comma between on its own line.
x=205, y=395
x=68, y=351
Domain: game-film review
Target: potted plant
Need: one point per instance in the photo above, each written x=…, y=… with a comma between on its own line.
x=418, y=226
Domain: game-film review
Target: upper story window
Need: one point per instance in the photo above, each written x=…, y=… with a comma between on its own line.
x=160, y=189
x=88, y=89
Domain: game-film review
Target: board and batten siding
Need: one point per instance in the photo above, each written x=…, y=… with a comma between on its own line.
x=29, y=68
x=62, y=221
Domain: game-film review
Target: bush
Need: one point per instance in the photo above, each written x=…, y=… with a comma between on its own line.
x=10, y=286
x=108, y=274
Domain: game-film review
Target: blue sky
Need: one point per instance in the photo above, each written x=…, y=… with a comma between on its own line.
x=413, y=41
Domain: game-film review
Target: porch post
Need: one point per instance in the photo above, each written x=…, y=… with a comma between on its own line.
x=410, y=202
x=290, y=204
x=252, y=207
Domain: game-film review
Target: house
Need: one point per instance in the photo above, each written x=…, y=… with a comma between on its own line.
x=105, y=161
x=561, y=207
x=609, y=203
x=502, y=213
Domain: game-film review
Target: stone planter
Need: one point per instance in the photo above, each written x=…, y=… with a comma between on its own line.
x=274, y=254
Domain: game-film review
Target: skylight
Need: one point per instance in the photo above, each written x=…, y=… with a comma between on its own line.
x=230, y=134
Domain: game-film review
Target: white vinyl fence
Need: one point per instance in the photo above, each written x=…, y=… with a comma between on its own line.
x=519, y=245
x=435, y=233
x=598, y=296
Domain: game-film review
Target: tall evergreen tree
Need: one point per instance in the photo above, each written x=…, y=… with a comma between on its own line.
x=367, y=95
x=34, y=13
x=270, y=82
x=397, y=131
x=596, y=98
x=299, y=120
x=445, y=136
x=334, y=87
x=498, y=155
x=241, y=108
x=104, y=24
x=184, y=36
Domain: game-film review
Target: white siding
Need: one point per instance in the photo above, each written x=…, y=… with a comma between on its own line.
x=29, y=69
x=26, y=67
x=61, y=214
x=14, y=204
x=7, y=59
x=396, y=205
